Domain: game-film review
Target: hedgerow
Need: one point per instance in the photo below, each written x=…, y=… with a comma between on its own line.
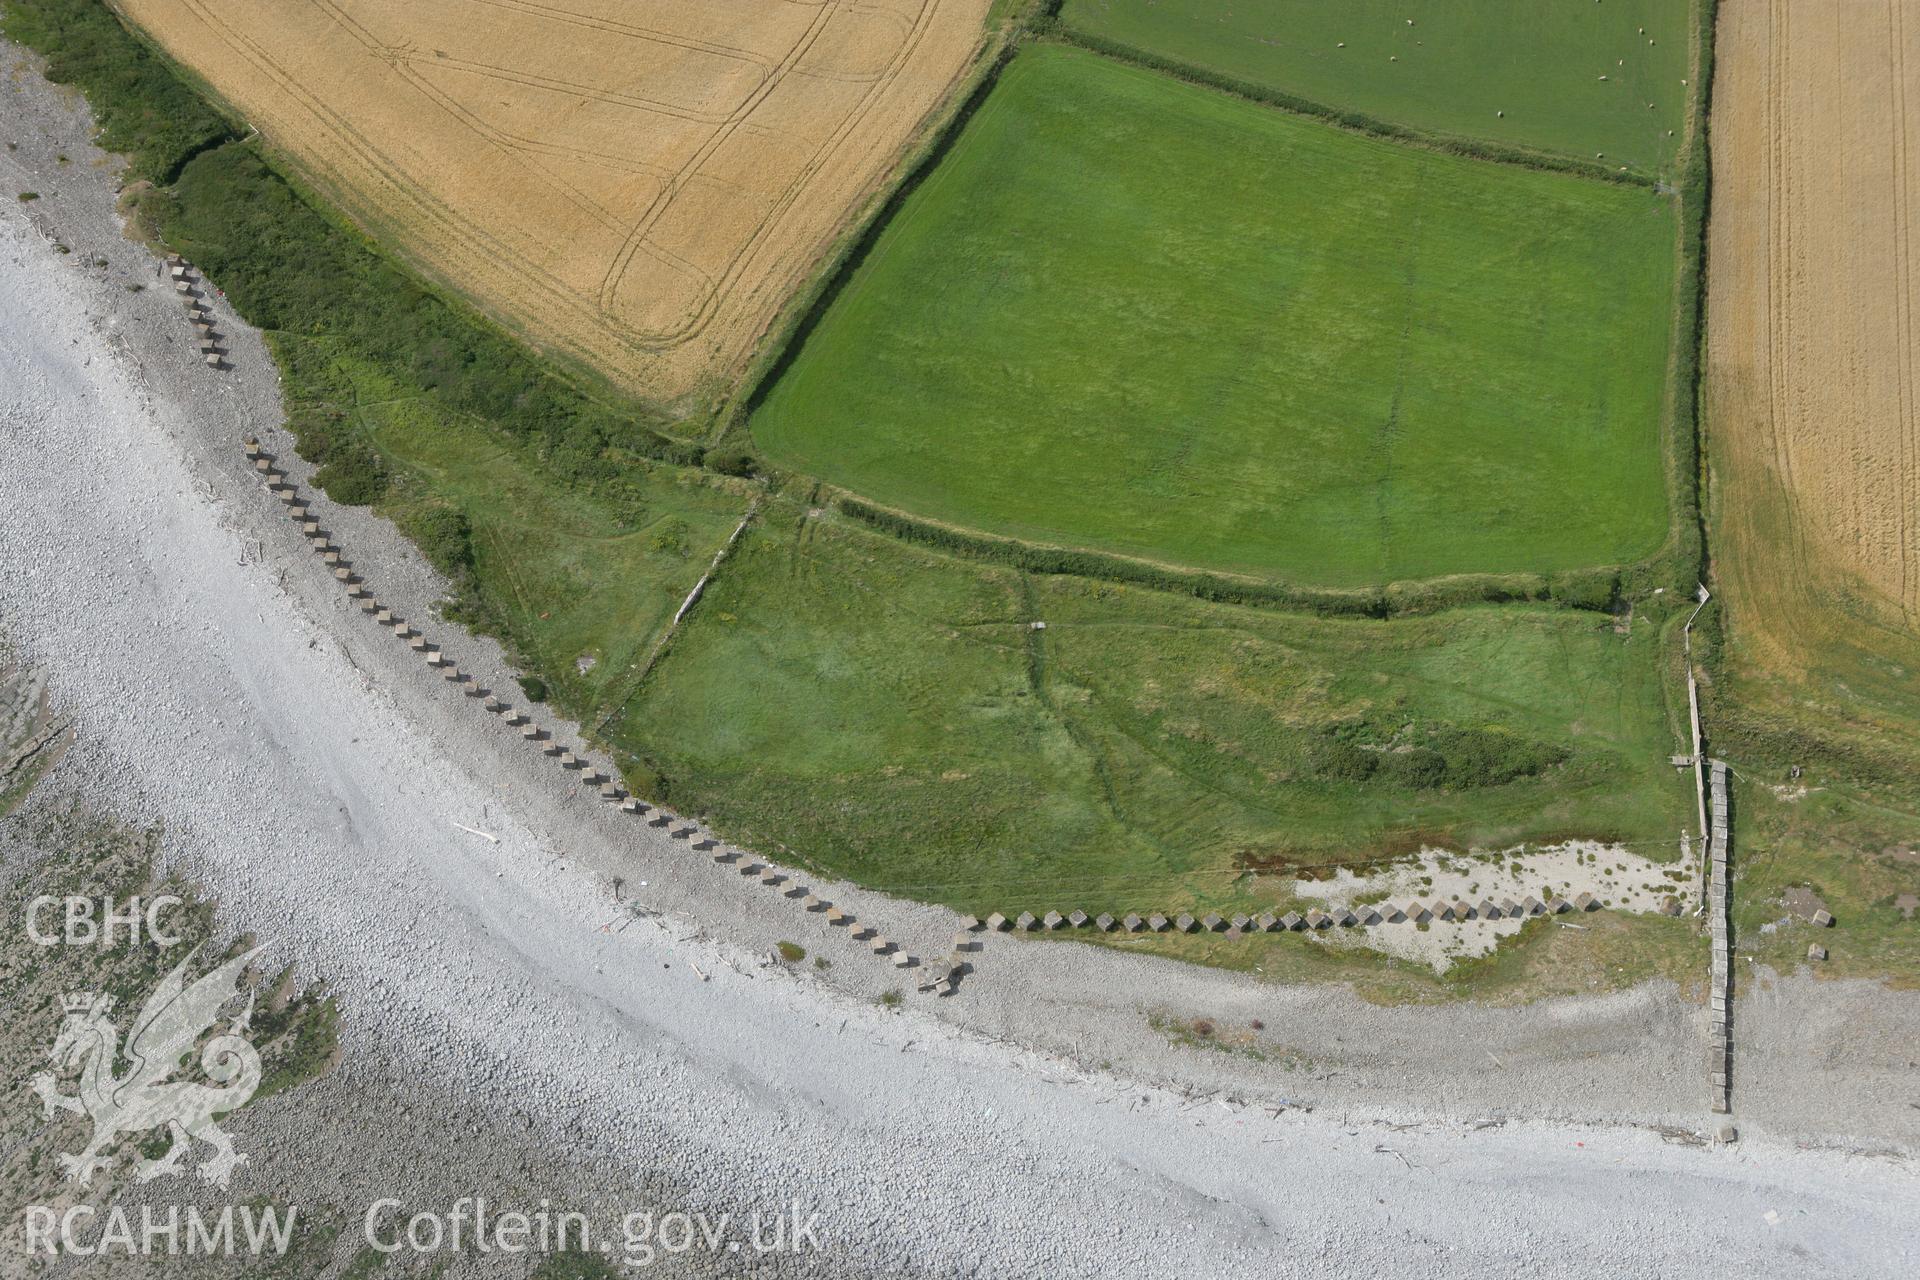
x=1341, y=117
x=1592, y=589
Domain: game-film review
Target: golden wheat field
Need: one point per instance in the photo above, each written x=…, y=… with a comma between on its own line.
x=1812, y=431
x=640, y=185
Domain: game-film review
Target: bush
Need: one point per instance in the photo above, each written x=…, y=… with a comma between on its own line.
x=534, y=687
x=353, y=475
x=443, y=535
x=733, y=461
x=1492, y=757
x=1429, y=758
x=1340, y=761
x=1417, y=768
x=146, y=209
x=1594, y=589
x=672, y=536
x=791, y=952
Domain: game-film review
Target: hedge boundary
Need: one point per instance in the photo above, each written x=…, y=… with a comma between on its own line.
x=1594, y=590
x=1057, y=29
x=788, y=338
x=1684, y=424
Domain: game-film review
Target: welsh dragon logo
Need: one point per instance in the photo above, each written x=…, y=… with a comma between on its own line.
x=142, y=1098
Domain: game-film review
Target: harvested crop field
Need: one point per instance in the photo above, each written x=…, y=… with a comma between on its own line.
x=1566, y=76
x=1279, y=348
x=641, y=190
x=1811, y=386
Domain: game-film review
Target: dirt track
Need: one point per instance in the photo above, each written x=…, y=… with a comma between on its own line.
x=1811, y=375
x=640, y=188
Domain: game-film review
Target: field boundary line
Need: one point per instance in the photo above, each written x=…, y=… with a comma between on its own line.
x=1903, y=309
x=809, y=306
x=617, y=707
x=1340, y=117
x=1593, y=589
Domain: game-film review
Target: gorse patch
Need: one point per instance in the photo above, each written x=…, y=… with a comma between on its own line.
x=444, y=535
x=350, y=473
x=1432, y=756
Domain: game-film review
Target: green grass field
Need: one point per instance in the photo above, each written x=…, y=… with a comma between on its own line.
x=1141, y=316
x=888, y=713
x=1452, y=72
x=891, y=715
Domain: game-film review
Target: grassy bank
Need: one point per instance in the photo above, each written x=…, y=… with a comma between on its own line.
x=580, y=579
x=1857, y=854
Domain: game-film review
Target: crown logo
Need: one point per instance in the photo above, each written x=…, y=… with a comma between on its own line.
x=81, y=1001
